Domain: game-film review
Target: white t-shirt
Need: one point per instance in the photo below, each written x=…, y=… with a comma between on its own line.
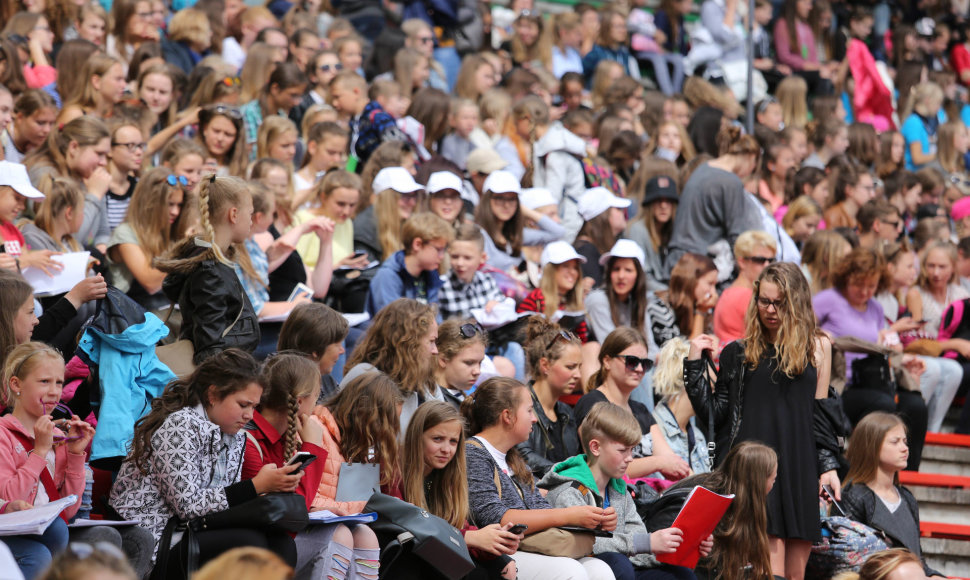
x=497, y=455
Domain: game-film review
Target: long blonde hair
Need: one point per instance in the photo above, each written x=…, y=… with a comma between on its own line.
x=98, y=64
x=273, y=128
x=148, y=212
x=950, y=158
x=448, y=487
x=573, y=299
x=792, y=94
x=865, y=444
x=60, y=195
x=795, y=342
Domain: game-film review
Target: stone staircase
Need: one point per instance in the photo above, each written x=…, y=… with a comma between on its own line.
x=942, y=488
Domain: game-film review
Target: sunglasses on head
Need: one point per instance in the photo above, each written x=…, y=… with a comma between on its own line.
x=470, y=330
x=760, y=260
x=561, y=335
x=227, y=111
x=174, y=180
x=231, y=81
x=632, y=363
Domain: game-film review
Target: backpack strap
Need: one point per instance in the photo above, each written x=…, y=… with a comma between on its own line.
x=252, y=439
x=952, y=317
x=495, y=476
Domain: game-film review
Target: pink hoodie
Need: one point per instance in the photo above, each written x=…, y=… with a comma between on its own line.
x=20, y=471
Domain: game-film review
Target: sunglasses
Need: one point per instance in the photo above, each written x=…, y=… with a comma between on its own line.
x=760, y=260
x=231, y=81
x=177, y=180
x=562, y=334
x=470, y=330
x=227, y=111
x=632, y=363
x=331, y=67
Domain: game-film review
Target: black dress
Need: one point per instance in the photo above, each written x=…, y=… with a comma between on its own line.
x=778, y=412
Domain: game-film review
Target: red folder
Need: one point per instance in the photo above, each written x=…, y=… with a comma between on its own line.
x=697, y=519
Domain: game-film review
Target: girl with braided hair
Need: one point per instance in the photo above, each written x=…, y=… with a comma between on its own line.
x=281, y=426
x=216, y=313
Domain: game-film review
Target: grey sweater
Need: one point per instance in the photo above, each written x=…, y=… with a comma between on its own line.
x=713, y=207
x=487, y=504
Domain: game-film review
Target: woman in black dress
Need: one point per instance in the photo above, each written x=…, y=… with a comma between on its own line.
x=765, y=391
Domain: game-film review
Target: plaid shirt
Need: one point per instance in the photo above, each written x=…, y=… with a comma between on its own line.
x=456, y=298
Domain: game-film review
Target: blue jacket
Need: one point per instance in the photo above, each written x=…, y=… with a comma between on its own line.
x=599, y=52
x=130, y=375
x=393, y=281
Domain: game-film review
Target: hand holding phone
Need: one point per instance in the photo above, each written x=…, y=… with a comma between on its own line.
x=831, y=497
x=518, y=529
x=301, y=458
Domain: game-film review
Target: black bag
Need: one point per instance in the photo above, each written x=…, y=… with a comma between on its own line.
x=349, y=288
x=873, y=372
x=271, y=512
x=404, y=529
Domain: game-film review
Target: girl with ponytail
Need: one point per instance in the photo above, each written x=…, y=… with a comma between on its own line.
x=216, y=312
x=282, y=426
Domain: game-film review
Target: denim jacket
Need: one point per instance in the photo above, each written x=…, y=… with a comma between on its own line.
x=677, y=439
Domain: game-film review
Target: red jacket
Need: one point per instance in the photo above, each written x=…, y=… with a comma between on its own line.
x=270, y=450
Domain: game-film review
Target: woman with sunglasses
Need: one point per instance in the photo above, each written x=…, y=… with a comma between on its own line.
x=461, y=349
x=554, y=359
x=150, y=229
x=623, y=362
x=220, y=134
x=320, y=70
x=753, y=251
x=768, y=389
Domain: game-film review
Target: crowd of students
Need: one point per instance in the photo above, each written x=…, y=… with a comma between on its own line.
x=525, y=263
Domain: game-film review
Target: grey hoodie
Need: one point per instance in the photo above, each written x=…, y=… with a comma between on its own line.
x=630, y=537
x=558, y=167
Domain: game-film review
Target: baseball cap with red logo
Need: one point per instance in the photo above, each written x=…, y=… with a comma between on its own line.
x=660, y=187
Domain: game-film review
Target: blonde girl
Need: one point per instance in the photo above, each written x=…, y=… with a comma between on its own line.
x=671, y=142
x=282, y=426
x=433, y=460
x=391, y=209
x=921, y=124
x=606, y=73
x=278, y=178
x=674, y=411
x=499, y=415
x=103, y=88
x=802, y=219
x=184, y=158
x=529, y=116
x=277, y=139
x=338, y=194
x=568, y=38
x=245, y=564
x=820, y=253
x=91, y=24
x=475, y=77
x=260, y=62
x=887, y=565
x=201, y=278
x=953, y=144
x=221, y=134
x=411, y=70
x=350, y=51
x=792, y=95
x=58, y=218
x=561, y=287
x=390, y=154
x=148, y=232
x=461, y=350
x=326, y=149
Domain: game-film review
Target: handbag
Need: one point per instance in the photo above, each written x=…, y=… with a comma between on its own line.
x=179, y=356
x=271, y=512
x=845, y=545
x=552, y=541
x=873, y=372
x=403, y=529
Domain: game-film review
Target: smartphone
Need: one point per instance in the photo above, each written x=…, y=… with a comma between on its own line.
x=301, y=458
x=828, y=490
x=359, y=254
x=518, y=528
x=923, y=320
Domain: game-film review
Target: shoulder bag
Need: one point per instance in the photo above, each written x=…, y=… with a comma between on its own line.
x=179, y=356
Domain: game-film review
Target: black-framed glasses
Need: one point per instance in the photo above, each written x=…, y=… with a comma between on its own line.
x=760, y=260
x=632, y=363
x=470, y=330
x=765, y=304
x=895, y=224
x=561, y=335
x=174, y=180
x=425, y=39
x=334, y=67
x=132, y=146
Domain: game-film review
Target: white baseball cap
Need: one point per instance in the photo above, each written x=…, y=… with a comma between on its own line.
x=502, y=182
x=396, y=178
x=559, y=253
x=442, y=180
x=597, y=200
x=534, y=197
x=625, y=249
x=15, y=175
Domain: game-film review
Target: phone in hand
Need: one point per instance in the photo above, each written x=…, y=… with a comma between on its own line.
x=828, y=490
x=359, y=254
x=301, y=458
x=518, y=529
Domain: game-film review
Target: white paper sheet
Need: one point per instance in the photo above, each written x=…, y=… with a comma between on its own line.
x=34, y=520
x=83, y=523
x=75, y=270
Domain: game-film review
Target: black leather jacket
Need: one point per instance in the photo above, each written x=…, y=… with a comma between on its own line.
x=538, y=449
x=216, y=313
x=859, y=502
x=725, y=405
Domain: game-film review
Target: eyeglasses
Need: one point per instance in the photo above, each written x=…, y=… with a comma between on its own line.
x=226, y=111
x=765, y=304
x=894, y=224
x=470, y=330
x=425, y=39
x=231, y=81
x=177, y=180
x=632, y=363
x=760, y=260
x=331, y=67
x=562, y=334
x=132, y=147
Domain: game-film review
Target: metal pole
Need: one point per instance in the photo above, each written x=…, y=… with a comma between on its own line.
x=749, y=94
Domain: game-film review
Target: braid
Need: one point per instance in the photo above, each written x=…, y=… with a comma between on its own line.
x=291, y=440
x=529, y=169
x=206, y=219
